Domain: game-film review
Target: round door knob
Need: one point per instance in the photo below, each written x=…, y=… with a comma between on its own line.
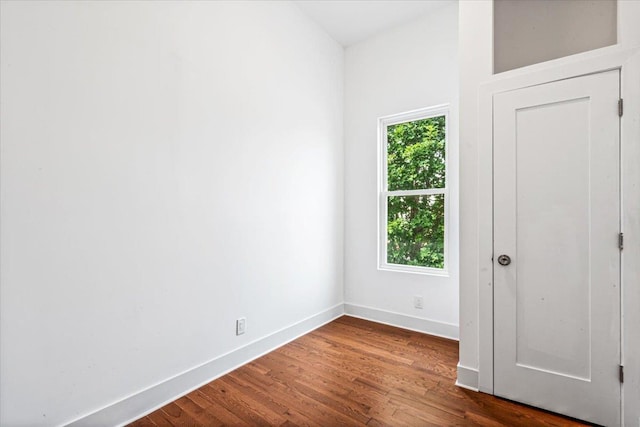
x=504, y=260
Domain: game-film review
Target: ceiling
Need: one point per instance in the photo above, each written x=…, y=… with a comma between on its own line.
x=351, y=21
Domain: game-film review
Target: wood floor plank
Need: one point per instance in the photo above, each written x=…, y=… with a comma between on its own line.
x=199, y=414
x=236, y=404
x=333, y=382
x=350, y=372
x=146, y=422
x=315, y=403
x=272, y=413
x=159, y=418
x=222, y=412
x=176, y=416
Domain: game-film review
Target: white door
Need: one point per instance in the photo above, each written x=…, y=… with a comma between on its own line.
x=557, y=216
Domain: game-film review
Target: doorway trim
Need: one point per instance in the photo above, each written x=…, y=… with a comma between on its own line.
x=628, y=61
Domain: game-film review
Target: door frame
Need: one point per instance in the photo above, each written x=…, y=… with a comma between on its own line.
x=628, y=62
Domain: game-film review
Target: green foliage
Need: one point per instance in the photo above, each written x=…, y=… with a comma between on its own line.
x=415, y=224
x=415, y=154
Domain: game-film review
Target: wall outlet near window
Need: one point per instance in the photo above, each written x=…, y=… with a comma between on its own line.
x=418, y=301
x=241, y=325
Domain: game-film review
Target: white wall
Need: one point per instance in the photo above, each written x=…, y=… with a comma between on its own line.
x=406, y=68
x=166, y=168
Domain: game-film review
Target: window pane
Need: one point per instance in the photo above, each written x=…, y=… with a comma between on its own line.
x=416, y=154
x=415, y=230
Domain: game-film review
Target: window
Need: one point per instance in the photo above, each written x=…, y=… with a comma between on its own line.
x=413, y=202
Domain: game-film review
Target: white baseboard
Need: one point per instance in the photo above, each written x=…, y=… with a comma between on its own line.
x=467, y=378
x=418, y=324
x=146, y=401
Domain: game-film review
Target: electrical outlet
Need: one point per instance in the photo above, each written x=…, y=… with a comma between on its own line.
x=418, y=301
x=241, y=325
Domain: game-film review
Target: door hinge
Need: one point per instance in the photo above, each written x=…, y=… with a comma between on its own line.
x=621, y=373
x=620, y=107
x=621, y=241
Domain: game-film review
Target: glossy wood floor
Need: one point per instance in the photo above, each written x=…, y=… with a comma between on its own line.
x=348, y=372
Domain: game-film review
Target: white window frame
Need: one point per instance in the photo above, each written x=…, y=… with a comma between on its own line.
x=383, y=193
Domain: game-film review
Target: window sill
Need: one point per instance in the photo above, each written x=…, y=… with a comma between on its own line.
x=425, y=271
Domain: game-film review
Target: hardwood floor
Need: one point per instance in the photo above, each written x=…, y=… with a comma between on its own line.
x=348, y=372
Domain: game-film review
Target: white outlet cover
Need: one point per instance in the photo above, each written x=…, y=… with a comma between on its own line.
x=418, y=302
x=241, y=326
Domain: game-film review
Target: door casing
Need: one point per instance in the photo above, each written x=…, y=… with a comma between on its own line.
x=628, y=62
